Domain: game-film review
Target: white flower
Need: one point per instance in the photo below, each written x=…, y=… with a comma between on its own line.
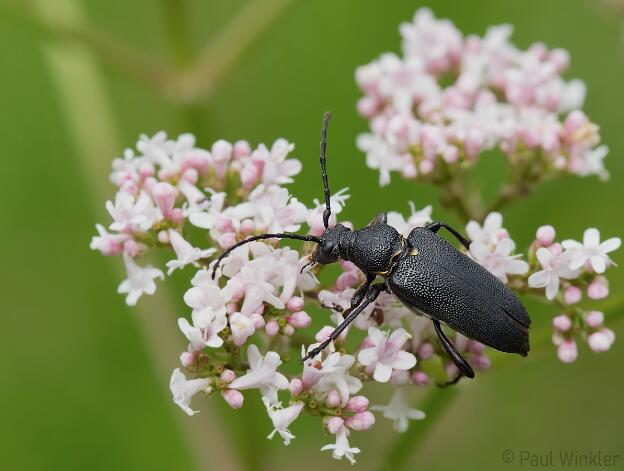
x=277, y=169
x=130, y=214
x=499, y=261
x=416, y=219
x=242, y=328
x=399, y=410
x=342, y=448
x=183, y=390
x=205, y=329
x=186, y=253
x=554, y=267
x=591, y=250
x=262, y=374
x=386, y=354
x=256, y=290
x=125, y=168
x=331, y=373
x=140, y=280
x=488, y=233
x=282, y=418
x=206, y=218
x=205, y=296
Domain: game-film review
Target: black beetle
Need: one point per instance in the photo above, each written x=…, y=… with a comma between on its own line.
x=425, y=272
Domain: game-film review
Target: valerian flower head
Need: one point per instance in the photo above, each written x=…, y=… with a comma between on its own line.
x=433, y=111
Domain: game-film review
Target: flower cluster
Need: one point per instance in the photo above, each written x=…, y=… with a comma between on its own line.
x=448, y=98
x=563, y=271
x=568, y=270
x=247, y=326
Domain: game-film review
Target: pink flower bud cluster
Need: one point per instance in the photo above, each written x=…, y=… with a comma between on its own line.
x=571, y=271
x=449, y=98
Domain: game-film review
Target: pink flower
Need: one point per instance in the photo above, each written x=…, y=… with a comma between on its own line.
x=386, y=355
x=108, y=244
x=554, y=268
x=499, y=262
x=601, y=340
x=233, y=397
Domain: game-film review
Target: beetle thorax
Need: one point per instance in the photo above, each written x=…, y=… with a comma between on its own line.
x=374, y=249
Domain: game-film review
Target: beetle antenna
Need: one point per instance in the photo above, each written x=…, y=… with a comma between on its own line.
x=326, y=193
x=307, y=238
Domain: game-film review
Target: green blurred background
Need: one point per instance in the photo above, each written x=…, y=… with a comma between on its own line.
x=85, y=379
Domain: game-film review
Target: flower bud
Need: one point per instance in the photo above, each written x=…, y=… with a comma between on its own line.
x=295, y=387
x=360, y=421
x=247, y=226
x=163, y=237
x=334, y=424
x=164, y=195
x=420, y=378
x=241, y=149
x=187, y=359
x=271, y=328
x=288, y=330
x=258, y=320
x=227, y=240
x=572, y=295
x=594, y=319
x=425, y=351
x=562, y=323
x=190, y=175
x=234, y=398
x=333, y=398
x=132, y=248
x=227, y=376
x=323, y=334
x=599, y=341
x=545, y=235
x=299, y=320
x=357, y=404
x=567, y=351
x=146, y=170
x=295, y=304
x=475, y=347
x=598, y=289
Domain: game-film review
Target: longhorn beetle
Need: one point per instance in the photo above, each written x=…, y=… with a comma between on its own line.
x=425, y=272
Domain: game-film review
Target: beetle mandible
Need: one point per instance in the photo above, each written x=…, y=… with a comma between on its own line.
x=425, y=272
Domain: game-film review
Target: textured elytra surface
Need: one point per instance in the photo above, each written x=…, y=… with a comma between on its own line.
x=447, y=285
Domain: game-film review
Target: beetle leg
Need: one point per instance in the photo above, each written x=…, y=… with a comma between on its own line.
x=454, y=355
x=435, y=227
x=371, y=295
x=359, y=294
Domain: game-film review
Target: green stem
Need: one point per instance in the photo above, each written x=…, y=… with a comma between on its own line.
x=112, y=52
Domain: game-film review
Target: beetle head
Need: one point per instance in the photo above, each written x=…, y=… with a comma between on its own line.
x=328, y=248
